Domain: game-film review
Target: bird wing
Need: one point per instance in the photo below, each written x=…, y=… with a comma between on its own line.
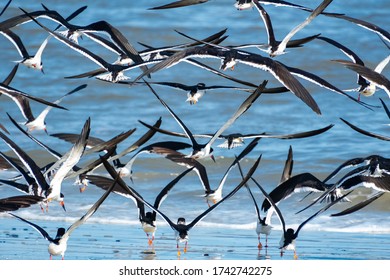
x=36, y=227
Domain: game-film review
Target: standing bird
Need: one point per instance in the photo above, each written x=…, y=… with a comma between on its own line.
x=289, y=236
x=146, y=218
x=59, y=244
x=181, y=228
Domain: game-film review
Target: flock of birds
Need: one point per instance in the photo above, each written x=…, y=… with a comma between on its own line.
x=42, y=185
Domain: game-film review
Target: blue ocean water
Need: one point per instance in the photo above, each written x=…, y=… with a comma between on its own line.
x=115, y=108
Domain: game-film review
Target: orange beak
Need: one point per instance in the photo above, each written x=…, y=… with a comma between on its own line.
x=62, y=205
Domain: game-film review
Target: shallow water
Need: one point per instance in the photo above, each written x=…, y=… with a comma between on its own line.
x=114, y=230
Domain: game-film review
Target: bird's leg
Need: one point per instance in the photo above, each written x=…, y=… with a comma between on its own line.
x=150, y=240
x=259, y=246
x=295, y=255
x=178, y=249
x=51, y=257
x=266, y=241
x=185, y=248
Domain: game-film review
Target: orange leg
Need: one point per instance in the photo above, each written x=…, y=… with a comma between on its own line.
x=259, y=245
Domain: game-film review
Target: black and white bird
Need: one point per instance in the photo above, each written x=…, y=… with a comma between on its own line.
x=289, y=235
x=373, y=76
x=230, y=57
x=234, y=140
x=115, y=71
x=34, y=62
x=166, y=148
x=371, y=172
x=31, y=61
x=205, y=150
x=37, y=181
x=58, y=245
x=39, y=123
x=195, y=92
x=366, y=87
x=146, y=218
x=274, y=47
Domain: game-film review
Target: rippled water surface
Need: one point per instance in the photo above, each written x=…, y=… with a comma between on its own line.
x=115, y=108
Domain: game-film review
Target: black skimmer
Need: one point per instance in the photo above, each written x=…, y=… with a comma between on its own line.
x=230, y=57
x=146, y=218
x=111, y=153
x=233, y=140
x=263, y=225
x=370, y=172
x=243, y=4
x=215, y=195
x=150, y=53
x=290, y=235
x=115, y=71
x=34, y=62
x=14, y=203
x=274, y=47
x=195, y=92
x=37, y=184
x=181, y=228
x=58, y=245
x=205, y=150
x=231, y=60
x=142, y=140
x=169, y=151
x=39, y=123
x=179, y=4
x=166, y=149
x=365, y=87
x=95, y=144
x=66, y=163
x=374, y=76
x=288, y=185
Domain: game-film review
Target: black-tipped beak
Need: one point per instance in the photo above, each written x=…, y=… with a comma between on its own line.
x=63, y=205
x=212, y=157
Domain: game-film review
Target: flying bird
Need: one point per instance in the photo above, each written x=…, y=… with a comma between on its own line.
x=58, y=244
